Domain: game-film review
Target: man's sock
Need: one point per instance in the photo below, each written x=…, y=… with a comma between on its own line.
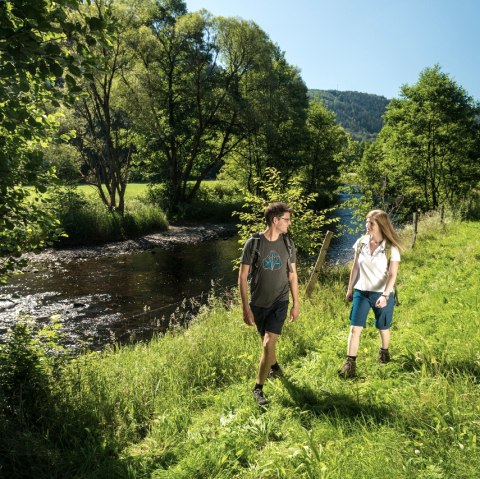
x=258, y=386
x=353, y=358
x=275, y=367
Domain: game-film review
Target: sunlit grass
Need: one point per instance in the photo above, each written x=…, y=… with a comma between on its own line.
x=134, y=190
x=181, y=406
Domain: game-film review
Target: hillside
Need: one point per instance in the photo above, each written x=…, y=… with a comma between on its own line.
x=180, y=406
x=359, y=113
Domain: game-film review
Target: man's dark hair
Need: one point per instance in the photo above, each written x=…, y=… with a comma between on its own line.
x=276, y=210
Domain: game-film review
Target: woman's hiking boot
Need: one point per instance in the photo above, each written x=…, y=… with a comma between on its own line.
x=383, y=356
x=348, y=369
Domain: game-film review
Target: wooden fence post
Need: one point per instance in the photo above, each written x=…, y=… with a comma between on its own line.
x=442, y=214
x=415, y=225
x=318, y=264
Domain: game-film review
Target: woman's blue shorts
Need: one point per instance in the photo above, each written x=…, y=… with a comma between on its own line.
x=363, y=301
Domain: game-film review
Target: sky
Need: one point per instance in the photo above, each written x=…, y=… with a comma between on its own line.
x=370, y=46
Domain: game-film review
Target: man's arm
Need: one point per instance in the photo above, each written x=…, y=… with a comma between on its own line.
x=293, y=280
x=243, y=287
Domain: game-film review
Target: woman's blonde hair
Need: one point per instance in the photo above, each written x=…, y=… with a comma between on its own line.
x=386, y=227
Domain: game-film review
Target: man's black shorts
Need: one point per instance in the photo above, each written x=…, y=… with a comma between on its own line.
x=270, y=319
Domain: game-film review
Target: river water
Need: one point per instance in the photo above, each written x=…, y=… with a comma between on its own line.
x=104, y=300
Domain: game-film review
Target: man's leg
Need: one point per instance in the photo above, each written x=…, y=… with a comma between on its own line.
x=268, y=357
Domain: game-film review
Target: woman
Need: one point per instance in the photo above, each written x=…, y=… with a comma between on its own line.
x=371, y=285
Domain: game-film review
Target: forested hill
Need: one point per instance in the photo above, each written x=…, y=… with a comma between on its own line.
x=359, y=113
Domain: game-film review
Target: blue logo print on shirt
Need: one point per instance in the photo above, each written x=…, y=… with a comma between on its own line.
x=272, y=261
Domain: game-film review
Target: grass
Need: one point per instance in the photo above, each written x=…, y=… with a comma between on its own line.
x=134, y=190
x=181, y=406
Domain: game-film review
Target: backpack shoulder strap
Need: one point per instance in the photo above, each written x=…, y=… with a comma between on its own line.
x=388, y=251
x=254, y=255
x=289, y=246
x=360, y=243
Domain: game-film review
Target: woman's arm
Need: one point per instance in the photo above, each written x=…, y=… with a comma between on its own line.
x=391, y=278
x=353, y=277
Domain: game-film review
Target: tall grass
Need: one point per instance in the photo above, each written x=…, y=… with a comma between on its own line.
x=87, y=221
x=181, y=406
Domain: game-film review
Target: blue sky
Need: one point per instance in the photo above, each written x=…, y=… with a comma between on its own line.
x=371, y=46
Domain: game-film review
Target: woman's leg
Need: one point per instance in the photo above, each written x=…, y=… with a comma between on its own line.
x=354, y=340
x=384, y=338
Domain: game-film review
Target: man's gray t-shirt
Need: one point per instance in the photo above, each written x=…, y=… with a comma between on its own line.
x=272, y=283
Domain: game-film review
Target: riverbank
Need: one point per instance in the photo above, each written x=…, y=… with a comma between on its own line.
x=175, y=235
x=180, y=406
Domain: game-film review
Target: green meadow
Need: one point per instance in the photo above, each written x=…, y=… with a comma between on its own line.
x=134, y=190
x=180, y=406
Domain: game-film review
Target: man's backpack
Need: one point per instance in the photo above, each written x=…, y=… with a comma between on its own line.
x=252, y=274
x=388, y=253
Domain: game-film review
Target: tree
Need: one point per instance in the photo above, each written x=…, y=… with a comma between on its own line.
x=273, y=122
x=187, y=92
x=323, y=147
x=41, y=53
x=104, y=129
x=429, y=143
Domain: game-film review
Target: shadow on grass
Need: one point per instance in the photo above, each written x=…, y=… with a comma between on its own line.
x=336, y=405
x=471, y=369
x=41, y=435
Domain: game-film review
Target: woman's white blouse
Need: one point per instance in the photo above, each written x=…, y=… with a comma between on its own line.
x=373, y=268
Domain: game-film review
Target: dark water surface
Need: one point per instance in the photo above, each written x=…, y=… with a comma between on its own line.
x=102, y=300
x=106, y=299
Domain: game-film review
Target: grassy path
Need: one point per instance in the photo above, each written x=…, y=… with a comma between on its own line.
x=181, y=407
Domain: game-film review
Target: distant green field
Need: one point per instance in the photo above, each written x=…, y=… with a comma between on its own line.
x=139, y=189
x=133, y=190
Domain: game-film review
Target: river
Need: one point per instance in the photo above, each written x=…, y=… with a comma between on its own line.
x=103, y=299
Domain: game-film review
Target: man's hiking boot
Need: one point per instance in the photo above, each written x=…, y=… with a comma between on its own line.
x=348, y=369
x=383, y=356
x=259, y=397
x=275, y=373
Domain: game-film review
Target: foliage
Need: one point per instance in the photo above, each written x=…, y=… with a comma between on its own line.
x=181, y=406
x=27, y=364
x=215, y=202
x=427, y=153
x=41, y=54
x=87, y=221
x=308, y=225
x=359, y=113
x=324, y=150
x=272, y=122
x=105, y=138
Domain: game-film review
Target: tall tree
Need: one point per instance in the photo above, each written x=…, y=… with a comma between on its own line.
x=273, y=120
x=429, y=141
x=186, y=89
x=323, y=147
x=104, y=129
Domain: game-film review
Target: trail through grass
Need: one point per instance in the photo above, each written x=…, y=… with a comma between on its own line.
x=181, y=406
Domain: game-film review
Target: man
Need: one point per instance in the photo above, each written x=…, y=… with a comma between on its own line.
x=270, y=259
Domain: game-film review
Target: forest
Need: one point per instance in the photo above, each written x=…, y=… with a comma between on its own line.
x=360, y=114
x=109, y=93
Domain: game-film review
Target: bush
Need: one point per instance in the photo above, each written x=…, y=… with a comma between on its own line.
x=87, y=221
x=215, y=202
